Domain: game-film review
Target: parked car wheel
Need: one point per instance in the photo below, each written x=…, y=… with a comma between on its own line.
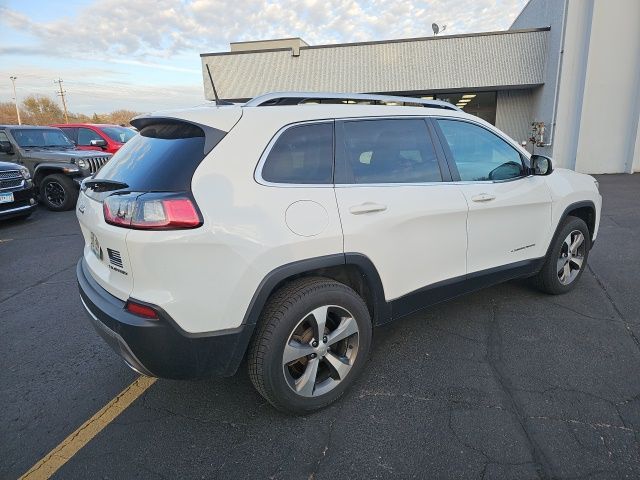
x=312, y=342
x=58, y=192
x=567, y=258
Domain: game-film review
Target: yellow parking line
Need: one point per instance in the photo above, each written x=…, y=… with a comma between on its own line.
x=71, y=445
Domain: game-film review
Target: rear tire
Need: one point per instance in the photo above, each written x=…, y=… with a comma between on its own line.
x=58, y=192
x=297, y=369
x=567, y=258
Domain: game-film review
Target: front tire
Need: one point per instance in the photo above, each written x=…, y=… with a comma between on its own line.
x=567, y=258
x=58, y=192
x=312, y=342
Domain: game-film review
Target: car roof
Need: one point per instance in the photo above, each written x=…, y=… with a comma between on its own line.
x=225, y=116
x=30, y=127
x=97, y=125
x=289, y=107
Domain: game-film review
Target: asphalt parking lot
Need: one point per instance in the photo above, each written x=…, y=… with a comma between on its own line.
x=503, y=383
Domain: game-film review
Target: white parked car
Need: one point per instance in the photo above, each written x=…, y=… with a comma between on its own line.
x=285, y=229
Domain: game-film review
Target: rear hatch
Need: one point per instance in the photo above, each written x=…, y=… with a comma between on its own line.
x=148, y=178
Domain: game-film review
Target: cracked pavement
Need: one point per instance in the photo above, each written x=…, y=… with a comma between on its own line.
x=503, y=383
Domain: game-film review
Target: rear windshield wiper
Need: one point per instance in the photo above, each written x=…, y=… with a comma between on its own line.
x=104, y=185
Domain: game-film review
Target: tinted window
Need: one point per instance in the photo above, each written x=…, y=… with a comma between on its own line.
x=480, y=154
x=40, y=137
x=71, y=133
x=119, y=134
x=85, y=136
x=302, y=154
x=389, y=151
x=162, y=158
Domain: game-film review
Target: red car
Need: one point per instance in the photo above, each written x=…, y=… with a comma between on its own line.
x=97, y=136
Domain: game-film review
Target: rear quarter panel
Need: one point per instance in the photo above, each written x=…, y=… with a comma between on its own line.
x=205, y=278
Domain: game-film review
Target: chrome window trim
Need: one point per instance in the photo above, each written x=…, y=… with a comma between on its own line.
x=263, y=157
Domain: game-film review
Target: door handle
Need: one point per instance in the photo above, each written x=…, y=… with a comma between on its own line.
x=367, y=207
x=483, y=197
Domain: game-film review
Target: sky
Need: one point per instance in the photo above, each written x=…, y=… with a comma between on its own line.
x=144, y=55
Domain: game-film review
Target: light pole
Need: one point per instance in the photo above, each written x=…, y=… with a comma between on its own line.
x=15, y=97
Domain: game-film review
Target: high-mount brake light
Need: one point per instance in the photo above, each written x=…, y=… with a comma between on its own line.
x=151, y=211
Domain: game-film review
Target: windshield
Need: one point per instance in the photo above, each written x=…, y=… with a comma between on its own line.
x=41, y=137
x=119, y=134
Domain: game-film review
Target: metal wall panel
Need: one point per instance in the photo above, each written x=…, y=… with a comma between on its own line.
x=514, y=113
x=500, y=59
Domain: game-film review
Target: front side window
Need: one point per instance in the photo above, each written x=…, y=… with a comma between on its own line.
x=85, y=136
x=71, y=133
x=303, y=154
x=389, y=151
x=479, y=154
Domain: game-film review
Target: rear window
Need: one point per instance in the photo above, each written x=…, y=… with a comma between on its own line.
x=163, y=157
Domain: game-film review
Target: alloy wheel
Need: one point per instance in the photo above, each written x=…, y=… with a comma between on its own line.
x=320, y=351
x=571, y=257
x=55, y=193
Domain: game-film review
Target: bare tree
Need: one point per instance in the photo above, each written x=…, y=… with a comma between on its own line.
x=40, y=110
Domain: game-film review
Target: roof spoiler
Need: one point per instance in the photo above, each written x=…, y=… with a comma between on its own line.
x=212, y=136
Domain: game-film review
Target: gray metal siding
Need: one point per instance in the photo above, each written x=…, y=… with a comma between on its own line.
x=474, y=61
x=514, y=113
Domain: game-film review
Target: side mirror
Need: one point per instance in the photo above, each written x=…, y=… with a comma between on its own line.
x=541, y=165
x=98, y=143
x=5, y=147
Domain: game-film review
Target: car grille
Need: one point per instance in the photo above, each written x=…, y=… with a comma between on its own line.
x=10, y=179
x=96, y=163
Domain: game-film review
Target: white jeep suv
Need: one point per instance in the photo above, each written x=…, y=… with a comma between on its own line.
x=284, y=229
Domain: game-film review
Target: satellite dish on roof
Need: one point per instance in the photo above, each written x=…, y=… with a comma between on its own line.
x=437, y=29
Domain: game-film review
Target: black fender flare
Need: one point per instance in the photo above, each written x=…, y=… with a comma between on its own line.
x=565, y=214
x=275, y=278
x=68, y=169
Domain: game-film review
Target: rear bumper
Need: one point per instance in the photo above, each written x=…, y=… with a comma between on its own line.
x=158, y=347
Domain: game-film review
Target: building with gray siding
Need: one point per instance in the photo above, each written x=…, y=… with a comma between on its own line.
x=527, y=74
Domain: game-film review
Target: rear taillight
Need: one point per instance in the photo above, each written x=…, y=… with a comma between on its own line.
x=151, y=211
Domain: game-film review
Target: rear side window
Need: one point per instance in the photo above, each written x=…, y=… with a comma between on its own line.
x=388, y=151
x=302, y=154
x=162, y=158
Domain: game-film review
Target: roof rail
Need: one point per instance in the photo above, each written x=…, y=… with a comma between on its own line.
x=299, y=98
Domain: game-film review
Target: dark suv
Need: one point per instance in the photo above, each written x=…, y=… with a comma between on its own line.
x=16, y=191
x=56, y=166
